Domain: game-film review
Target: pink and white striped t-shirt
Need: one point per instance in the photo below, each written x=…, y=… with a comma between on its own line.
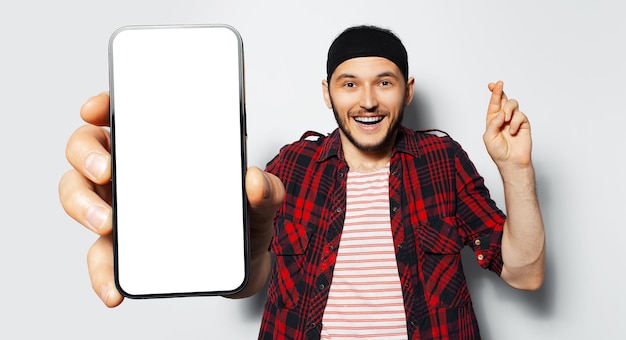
x=365, y=298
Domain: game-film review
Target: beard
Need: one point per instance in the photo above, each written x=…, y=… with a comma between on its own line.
x=386, y=142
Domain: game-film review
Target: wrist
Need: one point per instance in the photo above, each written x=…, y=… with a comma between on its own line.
x=517, y=174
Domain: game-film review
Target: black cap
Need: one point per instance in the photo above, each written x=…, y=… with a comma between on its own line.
x=367, y=41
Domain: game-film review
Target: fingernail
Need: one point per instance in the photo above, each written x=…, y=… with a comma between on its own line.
x=95, y=163
x=104, y=293
x=96, y=216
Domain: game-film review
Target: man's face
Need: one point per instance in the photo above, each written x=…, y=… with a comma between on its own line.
x=368, y=96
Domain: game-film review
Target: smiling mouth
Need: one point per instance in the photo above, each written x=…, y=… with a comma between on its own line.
x=369, y=120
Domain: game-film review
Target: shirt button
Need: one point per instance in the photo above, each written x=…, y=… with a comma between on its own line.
x=331, y=248
x=394, y=209
x=339, y=210
x=341, y=174
x=477, y=242
x=321, y=286
x=480, y=257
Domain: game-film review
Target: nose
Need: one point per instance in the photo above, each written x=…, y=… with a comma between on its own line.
x=369, y=100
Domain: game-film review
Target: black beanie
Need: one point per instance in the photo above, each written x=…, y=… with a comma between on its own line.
x=367, y=41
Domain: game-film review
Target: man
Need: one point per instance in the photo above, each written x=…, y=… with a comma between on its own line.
x=367, y=223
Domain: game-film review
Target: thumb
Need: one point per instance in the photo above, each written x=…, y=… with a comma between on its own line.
x=265, y=194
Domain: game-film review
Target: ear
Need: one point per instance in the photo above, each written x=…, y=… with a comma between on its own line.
x=326, y=93
x=410, y=87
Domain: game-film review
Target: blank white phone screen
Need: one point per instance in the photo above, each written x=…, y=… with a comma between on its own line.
x=178, y=144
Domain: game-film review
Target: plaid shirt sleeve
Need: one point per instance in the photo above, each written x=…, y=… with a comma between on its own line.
x=479, y=220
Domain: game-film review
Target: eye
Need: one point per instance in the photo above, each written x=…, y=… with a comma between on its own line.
x=385, y=83
x=349, y=84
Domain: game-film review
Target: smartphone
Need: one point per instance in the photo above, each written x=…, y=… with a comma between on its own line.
x=178, y=145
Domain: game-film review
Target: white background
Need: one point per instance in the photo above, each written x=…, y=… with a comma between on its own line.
x=563, y=60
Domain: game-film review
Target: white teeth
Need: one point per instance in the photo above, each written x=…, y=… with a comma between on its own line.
x=368, y=120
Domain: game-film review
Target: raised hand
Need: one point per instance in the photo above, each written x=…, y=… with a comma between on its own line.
x=508, y=141
x=507, y=135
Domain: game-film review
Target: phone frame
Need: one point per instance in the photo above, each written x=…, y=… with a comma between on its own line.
x=243, y=157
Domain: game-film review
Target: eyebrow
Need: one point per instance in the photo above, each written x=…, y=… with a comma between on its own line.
x=387, y=74
x=345, y=76
x=380, y=75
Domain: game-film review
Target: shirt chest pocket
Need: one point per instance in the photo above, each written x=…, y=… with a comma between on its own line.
x=439, y=260
x=290, y=245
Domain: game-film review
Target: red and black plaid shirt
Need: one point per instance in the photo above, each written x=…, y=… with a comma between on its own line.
x=438, y=204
